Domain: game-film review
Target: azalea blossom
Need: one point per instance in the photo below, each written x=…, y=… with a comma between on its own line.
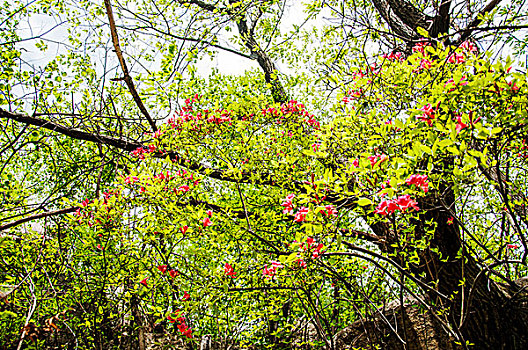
x=330, y=211
x=131, y=179
x=401, y=203
x=144, y=281
x=269, y=272
x=183, y=188
x=162, y=268
x=229, y=271
x=300, y=216
x=460, y=125
x=287, y=204
x=207, y=222
x=301, y=263
x=184, y=229
x=173, y=273
x=513, y=246
x=428, y=114
x=450, y=220
x=186, y=296
x=420, y=181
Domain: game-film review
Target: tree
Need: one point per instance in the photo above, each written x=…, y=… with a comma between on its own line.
x=245, y=215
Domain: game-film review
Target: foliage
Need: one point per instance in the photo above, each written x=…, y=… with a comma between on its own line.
x=242, y=215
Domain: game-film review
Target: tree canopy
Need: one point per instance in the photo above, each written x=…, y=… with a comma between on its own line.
x=263, y=174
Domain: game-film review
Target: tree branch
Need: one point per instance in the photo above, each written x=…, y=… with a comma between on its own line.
x=37, y=216
x=469, y=29
x=127, y=78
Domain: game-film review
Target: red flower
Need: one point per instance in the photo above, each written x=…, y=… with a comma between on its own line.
x=144, y=282
x=450, y=220
x=162, y=268
x=207, y=222
x=428, y=114
x=173, y=273
x=419, y=181
x=184, y=229
x=287, y=204
x=209, y=213
x=229, y=271
x=300, y=216
x=406, y=202
x=513, y=246
x=183, y=188
x=460, y=125
x=269, y=272
x=186, y=296
x=401, y=203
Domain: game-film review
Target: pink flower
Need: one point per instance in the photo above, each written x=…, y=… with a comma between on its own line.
x=406, y=202
x=207, y=222
x=209, y=213
x=144, y=282
x=456, y=58
x=162, y=268
x=420, y=181
x=131, y=179
x=317, y=251
x=469, y=47
x=330, y=211
x=401, y=203
x=419, y=47
x=460, y=125
x=183, y=188
x=301, y=263
x=287, y=204
x=269, y=272
x=355, y=163
x=229, y=271
x=426, y=64
x=428, y=114
x=300, y=216
x=373, y=160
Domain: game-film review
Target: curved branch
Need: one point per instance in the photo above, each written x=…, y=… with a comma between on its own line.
x=127, y=78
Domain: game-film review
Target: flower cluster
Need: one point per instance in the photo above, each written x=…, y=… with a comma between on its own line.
x=269, y=272
x=377, y=158
x=329, y=211
x=394, y=56
x=182, y=326
x=164, y=268
x=420, y=181
x=402, y=203
x=300, y=216
x=229, y=271
x=141, y=151
x=287, y=204
x=428, y=114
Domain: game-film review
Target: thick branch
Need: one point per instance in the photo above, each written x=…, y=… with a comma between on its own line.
x=264, y=61
x=127, y=78
x=37, y=216
x=77, y=134
x=402, y=17
x=478, y=19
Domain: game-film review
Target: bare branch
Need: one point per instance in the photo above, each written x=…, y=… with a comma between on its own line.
x=127, y=78
x=37, y=216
